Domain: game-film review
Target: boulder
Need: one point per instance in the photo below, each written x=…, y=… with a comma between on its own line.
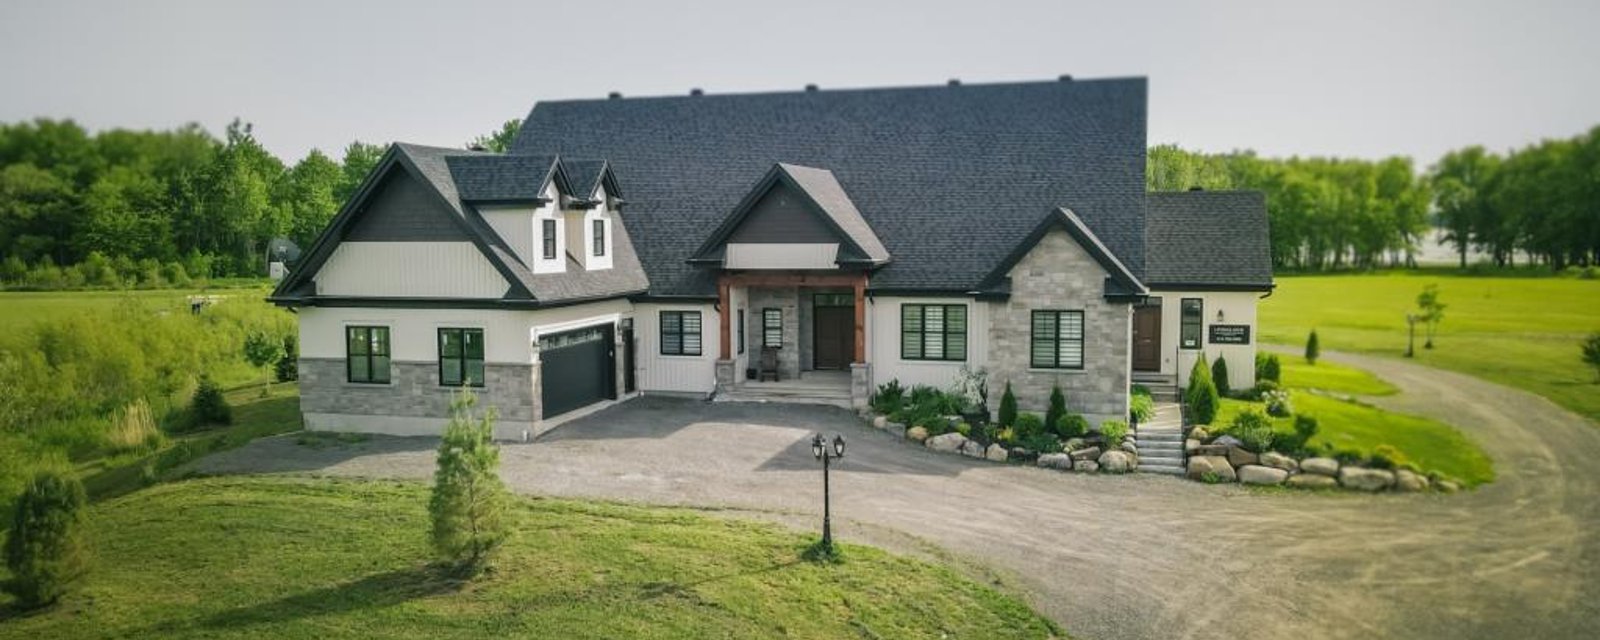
x=1060, y=461
x=1362, y=479
x=1238, y=457
x=996, y=453
x=1116, y=462
x=1212, y=450
x=1129, y=447
x=1086, y=466
x=880, y=422
x=1312, y=481
x=1447, y=486
x=899, y=429
x=1190, y=445
x=1091, y=453
x=1200, y=433
x=917, y=433
x=1201, y=466
x=974, y=449
x=1258, y=474
x=1021, y=454
x=1409, y=481
x=1279, y=461
x=1320, y=466
x=948, y=443
x=1227, y=440
x=1074, y=444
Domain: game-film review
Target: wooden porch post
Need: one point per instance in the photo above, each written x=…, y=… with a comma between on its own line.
x=861, y=319
x=723, y=315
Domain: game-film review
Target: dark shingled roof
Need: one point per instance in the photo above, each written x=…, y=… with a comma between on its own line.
x=583, y=176
x=1207, y=238
x=482, y=177
x=950, y=178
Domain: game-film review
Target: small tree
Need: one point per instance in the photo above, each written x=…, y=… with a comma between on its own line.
x=1219, y=376
x=1268, y=367
x=45, y=550
x=1313, y=348
x=468, y=505
x=1431, y=313
x=1008, y=407
x=261, y=350
x=208, y=405
x=287, y=369
x=1057, y=408
x=1201, y=396
x=1591, y=353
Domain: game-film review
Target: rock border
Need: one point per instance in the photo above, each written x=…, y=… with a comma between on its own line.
x=1082, y=455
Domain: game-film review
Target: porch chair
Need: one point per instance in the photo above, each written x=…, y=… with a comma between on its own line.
x=769, y=364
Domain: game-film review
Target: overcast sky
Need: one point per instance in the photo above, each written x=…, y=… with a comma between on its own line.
x=1329, y=78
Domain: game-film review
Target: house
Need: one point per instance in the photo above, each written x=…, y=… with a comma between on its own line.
x=664, y=244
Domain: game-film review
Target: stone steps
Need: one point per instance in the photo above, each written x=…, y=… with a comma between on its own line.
x=1145, y=467
x=1161, y=439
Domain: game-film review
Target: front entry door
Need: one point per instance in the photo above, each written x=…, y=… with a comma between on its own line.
x=1147, y=337
x=834, y=331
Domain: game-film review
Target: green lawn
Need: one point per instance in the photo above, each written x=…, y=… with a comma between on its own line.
x=321, y=558
x=21, y=308
x=1521, y=332
x=1333, y=378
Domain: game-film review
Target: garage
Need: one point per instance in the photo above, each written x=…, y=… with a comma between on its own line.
x=577, y=369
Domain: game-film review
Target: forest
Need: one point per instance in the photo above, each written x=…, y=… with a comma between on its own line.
x=123, y=208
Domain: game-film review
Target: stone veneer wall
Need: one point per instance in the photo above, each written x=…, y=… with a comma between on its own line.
x=1059, y=275
x=414, y=392
x=787, y=299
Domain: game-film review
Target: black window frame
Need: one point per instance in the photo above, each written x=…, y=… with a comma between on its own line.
x=741, y=331
x=599, y=237
x=1191, y=324
x=463, y=359
x=945, y=332
x=1055, y=340
x=547, y=228
x=768, y=326
x=681, y=333
x=370, y=356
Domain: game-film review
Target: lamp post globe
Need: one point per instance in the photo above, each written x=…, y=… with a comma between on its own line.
x=838, y=446
x=816, y=446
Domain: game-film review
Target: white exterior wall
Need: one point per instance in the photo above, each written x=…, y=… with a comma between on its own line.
x=781, y=256
x=686, y=374
x=414, y=333
x=515, y=225
x=883, y=343
x=409, y=269
x=549, y=211
x=739, y=298
x=603, y=213
x=1238, y=307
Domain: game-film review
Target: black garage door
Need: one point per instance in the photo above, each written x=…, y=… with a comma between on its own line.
x=577, y=369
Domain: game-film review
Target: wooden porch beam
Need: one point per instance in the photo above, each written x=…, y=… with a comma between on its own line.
x=861, y=319
x=792, y=279
x=724, y=313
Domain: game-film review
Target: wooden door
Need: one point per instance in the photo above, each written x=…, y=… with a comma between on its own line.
x=1147, y=338
x=833, y=337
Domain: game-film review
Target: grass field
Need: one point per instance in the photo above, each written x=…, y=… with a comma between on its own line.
x=21, y=308
x=1333, y=378
x=1521, y=332
x=323, y=558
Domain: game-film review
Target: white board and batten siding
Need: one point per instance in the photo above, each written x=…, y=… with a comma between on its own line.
x=883, y=340
x=1237, y=307
x=781, y=256
x=673, y=373
x=409, y=270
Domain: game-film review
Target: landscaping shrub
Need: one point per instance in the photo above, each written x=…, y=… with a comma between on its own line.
x=1313, y=347
x=1071, y=425
x=208, y=406
x=1029, y=425
x=134, y=429
x=1008, y=407
x=1260, y=391
x=1591, y=352
x=1305, y=428
x=45, y=550
x=1042, y=443
x=1219, y=376
x=1141, y=406
x=1268, y=367
x=1349, y=456
x=1278, y=403
x=468, y=504
x=1201, y=395
x=1387, y=457
x=964, y=429
x=1113, y=431
x=1253, y=429
x=288, y=367
x=1057, y=407
x=889, y=397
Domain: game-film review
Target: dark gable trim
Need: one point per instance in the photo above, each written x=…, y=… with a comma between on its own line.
x=647, y=298
x=710, y=250
x=1126, y=285
x=440, y=303
x=330, y=238
x=1201, y=286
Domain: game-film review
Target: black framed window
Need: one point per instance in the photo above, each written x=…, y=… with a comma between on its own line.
x=1057, y=340
x=1191, y=321
x=461, y=357
x=772, y=327
x=741, y=331
x=367, y=354
x=933, y=332
x=680, y=333
x=549, y=239
x=599, y=237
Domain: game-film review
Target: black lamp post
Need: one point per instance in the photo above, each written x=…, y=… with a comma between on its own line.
x=821, y=448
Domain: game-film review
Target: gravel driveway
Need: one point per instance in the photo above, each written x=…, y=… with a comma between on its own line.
x=1138, y=556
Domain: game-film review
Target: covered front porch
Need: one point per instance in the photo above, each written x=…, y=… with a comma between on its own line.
x=793, y=336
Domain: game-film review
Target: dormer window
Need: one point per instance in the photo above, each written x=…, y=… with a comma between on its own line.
x=599, y=237
x=549, y=239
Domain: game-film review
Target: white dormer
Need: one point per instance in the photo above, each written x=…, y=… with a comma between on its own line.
x=597, y=233
x=549, y=250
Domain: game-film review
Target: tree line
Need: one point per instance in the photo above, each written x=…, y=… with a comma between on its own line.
x=1541, y=201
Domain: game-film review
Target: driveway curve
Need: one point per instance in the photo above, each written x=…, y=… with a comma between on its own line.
x=1138, y=556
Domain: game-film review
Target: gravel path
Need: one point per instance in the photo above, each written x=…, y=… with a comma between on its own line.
x=1136, y=556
